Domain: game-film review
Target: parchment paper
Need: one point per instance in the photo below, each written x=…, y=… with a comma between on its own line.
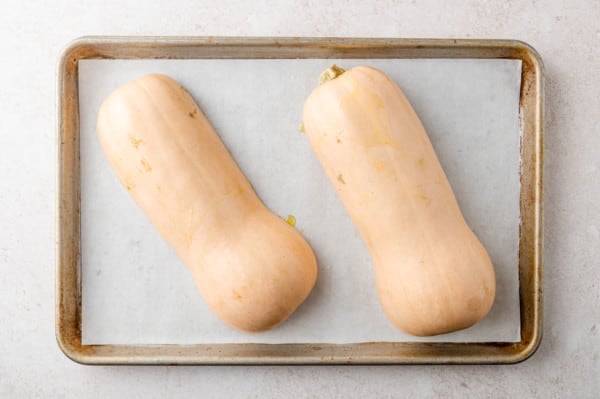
x=136, y=290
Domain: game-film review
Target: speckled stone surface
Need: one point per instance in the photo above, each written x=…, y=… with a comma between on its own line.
x=568, y=38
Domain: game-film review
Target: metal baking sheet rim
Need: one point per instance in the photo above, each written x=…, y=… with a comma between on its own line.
x=68, y=259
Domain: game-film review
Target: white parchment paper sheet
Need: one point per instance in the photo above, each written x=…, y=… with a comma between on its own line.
x=136, y=290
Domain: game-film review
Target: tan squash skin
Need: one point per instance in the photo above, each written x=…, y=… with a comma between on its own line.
x=252, y=268
x=433, y=275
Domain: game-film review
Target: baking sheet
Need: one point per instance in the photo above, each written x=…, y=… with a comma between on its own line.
x=136, y=291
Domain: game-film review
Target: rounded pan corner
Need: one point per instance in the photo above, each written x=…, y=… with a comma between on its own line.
x=72, y=350
x=529, y=53
x=526, y=349
x=73, y=50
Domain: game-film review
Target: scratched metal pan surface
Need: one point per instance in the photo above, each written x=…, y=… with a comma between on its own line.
x=68, y=261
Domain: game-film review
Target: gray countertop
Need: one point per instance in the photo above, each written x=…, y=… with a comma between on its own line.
x=567, y=363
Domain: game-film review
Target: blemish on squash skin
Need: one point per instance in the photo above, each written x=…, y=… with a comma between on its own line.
x=338, y=140
x=340, y=178
x=237, y=296
x=128, y=184
x=146, y=165
x=193, y=113
x=135, y=141
x=378, y=165
x=486, y=290
x=473, y=304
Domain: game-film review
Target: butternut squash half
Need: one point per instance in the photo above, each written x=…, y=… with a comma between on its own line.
x=252, y=268
x=433, y=275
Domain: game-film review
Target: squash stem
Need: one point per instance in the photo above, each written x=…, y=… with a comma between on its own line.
x=330, y=73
